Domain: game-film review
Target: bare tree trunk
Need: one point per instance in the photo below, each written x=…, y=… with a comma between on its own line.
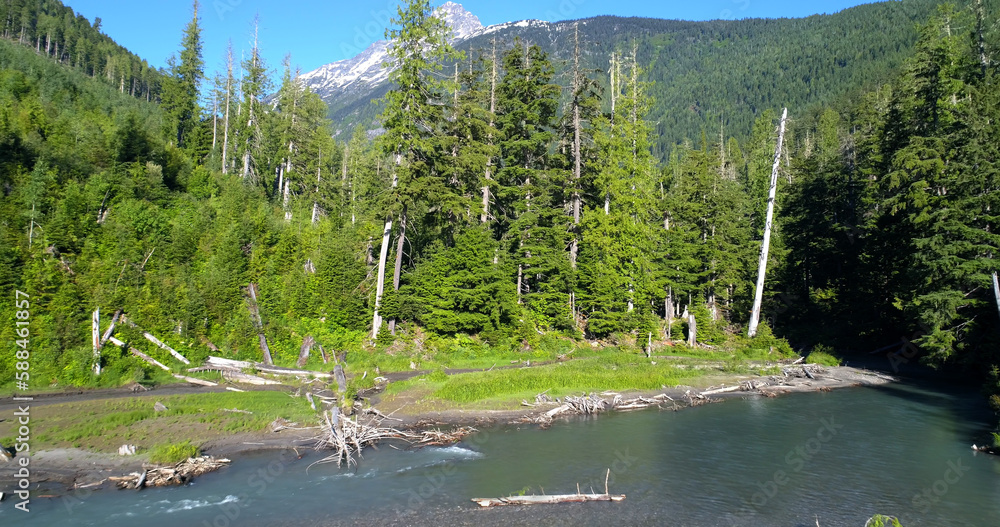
x=380, y=288
x=229, y=93
x=319, y=165
x=574, y=249
x=383, y=255
x=286, y=199
x=399, y=261
x=485, y=215
x=984, y=60
x=996, y=290
x=258, y=322
x=95, y=335
x=668, y=311
x=215, y=118
x=307, y=345
x=762, y=264
x=520, y=281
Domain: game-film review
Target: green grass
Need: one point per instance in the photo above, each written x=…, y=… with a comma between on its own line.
x=612, y=372
x=821, y=354
x=170, y=453
x=101, y=423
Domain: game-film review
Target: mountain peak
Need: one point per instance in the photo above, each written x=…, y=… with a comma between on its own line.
x=365, y=70
x=463, y=23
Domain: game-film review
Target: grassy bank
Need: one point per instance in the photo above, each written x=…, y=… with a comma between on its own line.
x=104, y=425
x=586, y=371
x=480, y=376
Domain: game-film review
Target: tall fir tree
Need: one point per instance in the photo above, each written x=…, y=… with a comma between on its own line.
x=618, y=240
x=181, y=87
x=531, y=225
x=412, y=120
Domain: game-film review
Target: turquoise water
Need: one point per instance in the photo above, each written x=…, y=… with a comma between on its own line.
x=838, y=457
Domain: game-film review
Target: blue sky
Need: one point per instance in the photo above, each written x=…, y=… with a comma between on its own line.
x=316, y=32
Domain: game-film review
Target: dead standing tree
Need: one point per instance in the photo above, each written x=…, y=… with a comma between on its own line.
x=762, y=264
x=257, y=322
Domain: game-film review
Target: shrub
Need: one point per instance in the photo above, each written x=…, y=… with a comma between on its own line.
x=820, y=354
x=169, y=453
x=882, y=521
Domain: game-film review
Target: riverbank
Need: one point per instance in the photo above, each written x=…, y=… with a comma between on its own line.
x=64, y=468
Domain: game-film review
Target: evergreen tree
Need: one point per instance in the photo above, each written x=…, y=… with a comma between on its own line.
x=618, y=241
x=180, y=89
x=533, y=229
x=251, y=115
x=412, y=120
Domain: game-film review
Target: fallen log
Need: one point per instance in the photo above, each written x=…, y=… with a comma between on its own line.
x=555, y=498
x=111, y=328
x=155, y=340
x=139, y=354
x=539, y=500
x=722, y=390
x=221, y=364
x=192, y=380
x=246, y=378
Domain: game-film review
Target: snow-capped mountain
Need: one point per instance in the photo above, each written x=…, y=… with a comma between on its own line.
x=365, y=71
x=462, y=23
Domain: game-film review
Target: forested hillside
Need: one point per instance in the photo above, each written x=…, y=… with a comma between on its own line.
x=891, y=217
x=53, y=30
x=719, y=73
x=498, y=208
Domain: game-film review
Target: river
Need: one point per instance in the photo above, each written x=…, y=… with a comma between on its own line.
x=838, y=457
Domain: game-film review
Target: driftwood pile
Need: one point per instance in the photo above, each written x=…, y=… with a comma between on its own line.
x=594, y=403
x=438, y=438
x=178, y=474
x=349, y=436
